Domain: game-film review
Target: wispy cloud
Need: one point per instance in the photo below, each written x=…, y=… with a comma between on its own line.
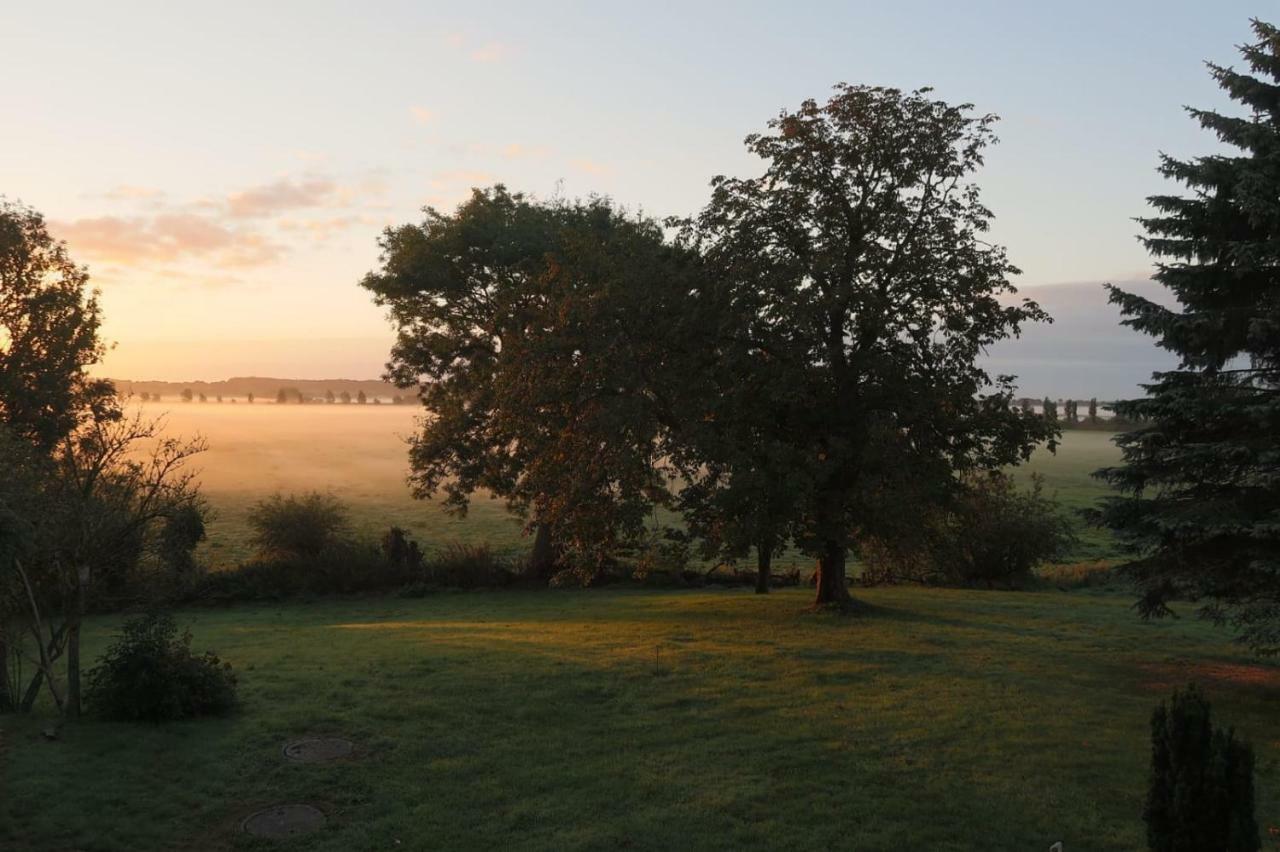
x=591, y=167
x=165, y=238
x=455, y=177
x=245, y=229
x=517, y=151
x=480, y=51
x=494, y=51
x=129, y=192
x=279, y=196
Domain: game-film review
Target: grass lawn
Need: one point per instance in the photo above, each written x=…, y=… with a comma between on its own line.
x=613, y=719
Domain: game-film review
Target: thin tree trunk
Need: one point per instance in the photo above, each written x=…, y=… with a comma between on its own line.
x=832, y=590
x=33, y=691
x=542, y=562
x=73, y=666
x=764, y=568
x=6, y=698
x=46, y=653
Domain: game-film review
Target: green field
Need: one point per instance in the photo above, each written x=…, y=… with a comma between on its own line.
x=606, y=719
x=359, y=454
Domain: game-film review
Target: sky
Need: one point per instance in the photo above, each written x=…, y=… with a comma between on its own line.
x=225, y=169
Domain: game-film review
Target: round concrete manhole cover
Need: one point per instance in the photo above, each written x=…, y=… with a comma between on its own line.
x=318, y=749
x=284, y=821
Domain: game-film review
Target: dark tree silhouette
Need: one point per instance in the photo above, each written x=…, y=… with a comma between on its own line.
x=859, y=260
x=1202, y=475
x=528, y=330
x=49, y=319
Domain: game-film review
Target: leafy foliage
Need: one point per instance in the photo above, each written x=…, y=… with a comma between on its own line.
x=468, y=566
x=534, y=333
x=150, y=675
x=49, y=323
x=861, y=292
x=1202, y=477
x=298, y=527
x=993, y=534
x=182, y=530
x=1201, y=790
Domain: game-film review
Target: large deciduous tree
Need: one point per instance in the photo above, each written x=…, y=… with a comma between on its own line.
x=858, y=271
x=1202, y=476
x=49, y=322
x=535, y=334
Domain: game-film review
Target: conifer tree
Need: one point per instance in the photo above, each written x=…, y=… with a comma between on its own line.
x=1201, y=477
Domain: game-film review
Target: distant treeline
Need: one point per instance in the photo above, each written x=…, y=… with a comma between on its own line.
x=1078, y=413
x=265, y=389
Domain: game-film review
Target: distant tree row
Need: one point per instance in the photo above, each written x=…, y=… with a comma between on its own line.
x=284, y=395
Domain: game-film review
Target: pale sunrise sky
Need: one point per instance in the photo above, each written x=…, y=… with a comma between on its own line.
x=224, y=169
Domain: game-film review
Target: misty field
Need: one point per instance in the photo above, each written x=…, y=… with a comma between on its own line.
x=611, y=719
x=359, y=453
x=356, y=452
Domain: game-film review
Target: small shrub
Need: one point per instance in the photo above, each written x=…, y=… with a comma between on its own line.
x=398, y=549
x=182, y=531
x=150, y=675
x=298, y=527
x=468, y=566
x=343, y=568
x=1201, y=787
x=994, y=534
x=662, y=559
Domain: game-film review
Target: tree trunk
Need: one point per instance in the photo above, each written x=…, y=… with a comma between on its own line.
x=764, y=568
x=33, y=691
x=73, y=647
x=73, y=668
x=542, y=562
x=6, y=698
x=832, y=590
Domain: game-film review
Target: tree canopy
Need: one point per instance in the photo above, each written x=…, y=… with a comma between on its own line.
x=49, y=320
x=537, y=335
x=862, y=291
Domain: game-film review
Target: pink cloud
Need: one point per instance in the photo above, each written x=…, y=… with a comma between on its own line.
x=282, y=195
x=164, y=238
x=494, y=51
x=591, y=167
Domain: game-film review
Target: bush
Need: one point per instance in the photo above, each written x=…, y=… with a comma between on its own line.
x=399, y=549
x=1079, y=575
x=662, y=559
x=342, y=569
x=468, y=566
x=993, y=534
x=150, y=675
x=182, y=531
x=1201, y=786
x=298, y=527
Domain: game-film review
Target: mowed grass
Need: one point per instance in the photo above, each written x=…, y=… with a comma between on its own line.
x=607, y=719
x=359, y=454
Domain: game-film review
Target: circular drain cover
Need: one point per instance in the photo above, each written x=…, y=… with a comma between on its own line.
x=284, y=821
x=318, y=749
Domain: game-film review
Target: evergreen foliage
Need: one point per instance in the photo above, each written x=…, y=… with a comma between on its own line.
x=1201, y=789
x=1201, y=514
